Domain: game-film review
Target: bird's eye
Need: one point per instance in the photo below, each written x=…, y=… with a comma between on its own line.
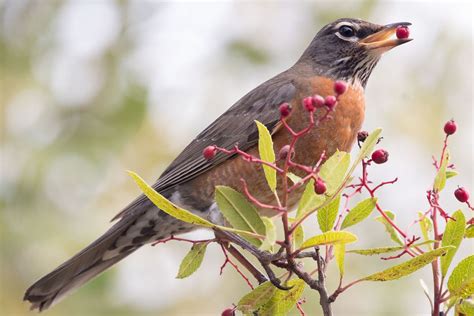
x=346, y=31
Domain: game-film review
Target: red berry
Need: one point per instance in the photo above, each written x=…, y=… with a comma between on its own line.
x=380, y=156
x=319, y=186
x=450, y=127
x=340, y=87
x=285, y=109
x=318, y=101
x=209, y=152
x=402, y=32
x=284, y=152
x=330, y=101
x=461, y=194
x=228, y=312
x=308, y=104
x=362, y=136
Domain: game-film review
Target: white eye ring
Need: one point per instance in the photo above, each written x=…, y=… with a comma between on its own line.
x=353, y=38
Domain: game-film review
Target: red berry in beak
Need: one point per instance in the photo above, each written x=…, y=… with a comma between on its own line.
x=330, y=101
x=402, y=32
x=450, y=127
x=380, y=156
x=461, y=194
x=320, y=186
x=340, y=87
x=285, y=109
x=308, y=104
x=209, y=152
x=318, y=101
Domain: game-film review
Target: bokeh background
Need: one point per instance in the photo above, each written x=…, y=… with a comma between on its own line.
x=90, y=89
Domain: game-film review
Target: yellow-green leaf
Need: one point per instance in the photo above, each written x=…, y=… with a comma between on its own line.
x=192, y=261
x=327, y=214
x=461, y=281
x=330, y=238
x=407, y=267
x=309, y=200
x=381, y=250
x=465, y=308
x=453, y=235
x=298, y=234
x=425, y=227
x=451, y=173
x=360, y=212
x=283, y=301
x=179, y=213
x=256, y=298
x=469, y=232
x=333, y=170
x=389, y=228
x=293, y=177
x=270, y=234
x=440, y=179
x=267, y=154
x=339, y=254
x=239, y=212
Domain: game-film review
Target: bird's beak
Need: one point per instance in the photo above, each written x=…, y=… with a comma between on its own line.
x=383, y=40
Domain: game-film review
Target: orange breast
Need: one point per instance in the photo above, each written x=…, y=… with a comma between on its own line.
x=337, y=133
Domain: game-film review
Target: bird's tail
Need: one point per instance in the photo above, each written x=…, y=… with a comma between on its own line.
x=118, y=242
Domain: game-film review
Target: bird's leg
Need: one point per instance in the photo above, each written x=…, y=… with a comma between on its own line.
x=264, y=257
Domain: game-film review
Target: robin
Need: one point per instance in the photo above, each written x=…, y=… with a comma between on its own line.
x=346, y=49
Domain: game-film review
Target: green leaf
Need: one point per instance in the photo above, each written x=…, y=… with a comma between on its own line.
x=309, y=200
x=465, y=308
x=469, y=232
x=238, y=211
x=192, y=261
x=333, y=170
x=267, y=154
x=407, y=267
x=461, y=281
x=453, y=235
x=298, y=235
x=179, y=213
x=388, y=228
x=293, y=177
x=256, y=298
x=381, y=250
x=360, y=212
x=339, y=254
x=327, y=214
x=440, y=179
x=425, y=227
x=451, y=173
x=270, y=234
x=283, y=301
x=330, y=238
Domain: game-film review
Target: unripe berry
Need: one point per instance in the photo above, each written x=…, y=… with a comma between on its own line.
x=461, y=194
x=318, y=101
x=283, y=153
x=450, y=127
x=330, y=101
x=380, y=156
x=209, y=152
x=228, y=312
x=320, y=186
x=402, y=32
x=285, y=109
x=308, y=104
x=340, y=87
x=362, y=136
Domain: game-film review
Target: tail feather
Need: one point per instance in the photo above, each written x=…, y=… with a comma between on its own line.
x=85, y=265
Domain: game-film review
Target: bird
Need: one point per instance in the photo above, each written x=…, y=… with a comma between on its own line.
x=347, y=49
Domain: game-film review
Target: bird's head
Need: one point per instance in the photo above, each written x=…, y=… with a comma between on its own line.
x=348, y=49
